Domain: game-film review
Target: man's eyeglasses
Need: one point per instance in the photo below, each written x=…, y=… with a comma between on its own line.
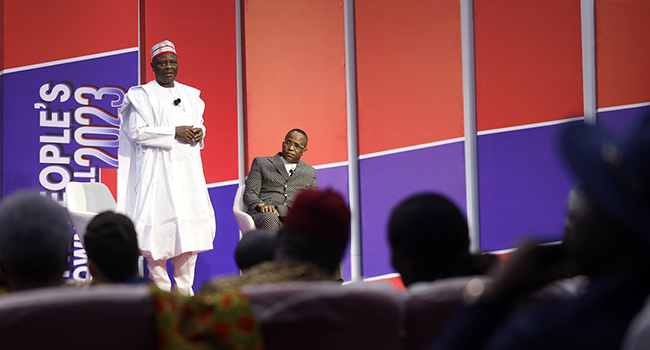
x=295, y=145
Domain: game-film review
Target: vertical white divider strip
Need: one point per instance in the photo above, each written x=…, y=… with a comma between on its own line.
x=469, y=114
x=589, y=61
x=140, y=258
x=241, y=152
x=139, y=44
x=353, y=142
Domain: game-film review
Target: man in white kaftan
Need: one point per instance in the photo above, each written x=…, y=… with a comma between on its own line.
x=161, y=185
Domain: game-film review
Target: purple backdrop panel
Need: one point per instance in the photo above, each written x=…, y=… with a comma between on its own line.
x=2, y=118
x=336, y=179
x=523, y=186
x=220, y=260
x=60, y=122
x=387, y=180
x=623, y=120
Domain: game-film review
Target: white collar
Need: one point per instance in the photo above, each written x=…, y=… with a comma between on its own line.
x=288, y=166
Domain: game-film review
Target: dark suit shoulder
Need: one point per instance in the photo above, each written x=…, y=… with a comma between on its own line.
x=307, y=166
x=262, y=161
x=259, y=159
x=269, y=158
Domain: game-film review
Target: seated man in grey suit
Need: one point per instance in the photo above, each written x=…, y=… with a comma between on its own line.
x=274, y=182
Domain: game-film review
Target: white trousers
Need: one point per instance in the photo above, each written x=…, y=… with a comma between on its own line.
x=184, y=266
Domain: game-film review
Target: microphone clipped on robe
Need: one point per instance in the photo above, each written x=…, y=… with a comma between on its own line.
x=177, y=101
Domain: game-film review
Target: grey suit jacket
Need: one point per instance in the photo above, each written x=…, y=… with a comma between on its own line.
x=269, y=182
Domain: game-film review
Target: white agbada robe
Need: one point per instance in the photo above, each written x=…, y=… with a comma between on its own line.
x=161, y=185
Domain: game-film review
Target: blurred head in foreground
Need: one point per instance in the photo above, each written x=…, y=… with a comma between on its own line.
x=255, y=246
x=608, y=223
x=112, y=247
x=429, y=239
x=34, y=241
x=316, y=229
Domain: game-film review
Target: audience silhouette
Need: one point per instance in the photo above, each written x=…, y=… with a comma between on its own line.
x=255, y=247
x=607, y=238
x=112, y=248
x=34, y=241
x=429, y=239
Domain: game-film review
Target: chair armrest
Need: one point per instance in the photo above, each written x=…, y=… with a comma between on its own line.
x=244, y=221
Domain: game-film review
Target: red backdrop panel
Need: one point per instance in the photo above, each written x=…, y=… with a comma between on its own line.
x=623, y=29
x=409, y=73
x=2, y=39
x=528, y=62
x=204, y=35
x=295, y=76
x=108, y=177
x=40, y=31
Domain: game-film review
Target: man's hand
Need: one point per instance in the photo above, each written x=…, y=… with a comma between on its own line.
x=265, y=208
x=185, y=133
x=198, y=134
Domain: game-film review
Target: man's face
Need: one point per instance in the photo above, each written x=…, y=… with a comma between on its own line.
x=294, y=146
x=165, y=67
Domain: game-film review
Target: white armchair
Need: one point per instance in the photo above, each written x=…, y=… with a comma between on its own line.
x=244, y=221
x=84, y=201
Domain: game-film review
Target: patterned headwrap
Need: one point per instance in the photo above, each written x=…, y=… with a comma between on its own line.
x=320, y=214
